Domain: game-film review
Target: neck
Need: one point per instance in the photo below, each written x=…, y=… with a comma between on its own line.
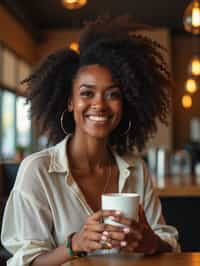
x=88, y=153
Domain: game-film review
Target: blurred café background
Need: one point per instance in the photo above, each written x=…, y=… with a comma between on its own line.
x=30, y=30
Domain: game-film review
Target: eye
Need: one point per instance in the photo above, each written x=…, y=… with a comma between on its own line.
x=86, y=93
x=113, y=94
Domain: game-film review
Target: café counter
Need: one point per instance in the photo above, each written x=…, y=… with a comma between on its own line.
x=178, y=186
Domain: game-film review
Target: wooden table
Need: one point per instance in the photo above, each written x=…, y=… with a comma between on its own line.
x=167, y=259
x=178, y=186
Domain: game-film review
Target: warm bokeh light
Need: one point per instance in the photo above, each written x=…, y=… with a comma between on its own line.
x=74, y=4
x=191, y=86
x=196, y=17
x=74, y=46
x=194, y=67
x=187, y=101
x=191, y=19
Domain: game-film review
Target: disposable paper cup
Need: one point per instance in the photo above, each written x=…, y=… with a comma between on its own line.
x=126, y=203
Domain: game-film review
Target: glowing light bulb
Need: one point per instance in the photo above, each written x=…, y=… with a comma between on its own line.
x=74, y=46
x=194, y=66
x=74, y=4
x=191, y=18
x=196, y=17
x=187, y=101
x=191, y=85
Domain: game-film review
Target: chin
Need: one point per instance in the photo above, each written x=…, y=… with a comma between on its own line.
x=99, y=134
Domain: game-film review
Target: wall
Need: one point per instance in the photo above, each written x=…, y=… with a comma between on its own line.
x=54, y=40
x=163, y=136
x=181, y=54
x=13, y=35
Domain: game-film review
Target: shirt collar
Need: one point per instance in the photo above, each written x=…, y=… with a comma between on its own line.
x=58, y=157
x=59, y=161
x=125, y=164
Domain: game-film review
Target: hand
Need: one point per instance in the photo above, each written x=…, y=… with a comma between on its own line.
x=139, y=235
x=94, y=233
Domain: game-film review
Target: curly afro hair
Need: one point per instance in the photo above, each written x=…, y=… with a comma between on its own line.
x=135, y=61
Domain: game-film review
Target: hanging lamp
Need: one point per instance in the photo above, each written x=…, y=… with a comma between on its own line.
x=191, y=18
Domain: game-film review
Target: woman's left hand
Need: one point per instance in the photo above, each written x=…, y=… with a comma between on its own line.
x=139, y=236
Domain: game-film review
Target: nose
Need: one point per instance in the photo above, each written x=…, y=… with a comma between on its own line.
x=99, y=102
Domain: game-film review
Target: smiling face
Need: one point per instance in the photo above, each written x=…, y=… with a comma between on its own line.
x=96, y=102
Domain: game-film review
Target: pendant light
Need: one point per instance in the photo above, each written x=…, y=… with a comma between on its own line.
x=74, y=46
x=194, y=66
x=74, y=4
x=187, y=101
x=191, y=85
x=191, y=19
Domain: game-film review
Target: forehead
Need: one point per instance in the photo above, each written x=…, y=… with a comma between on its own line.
x=93, y=74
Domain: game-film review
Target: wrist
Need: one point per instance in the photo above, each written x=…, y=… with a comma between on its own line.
x=74, y=246
x=72, y=250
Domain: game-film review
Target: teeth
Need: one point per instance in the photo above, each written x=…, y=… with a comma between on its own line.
x=98, y=118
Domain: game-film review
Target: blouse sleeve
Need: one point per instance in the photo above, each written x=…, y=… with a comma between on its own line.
x=27, y=228
x=153, y=211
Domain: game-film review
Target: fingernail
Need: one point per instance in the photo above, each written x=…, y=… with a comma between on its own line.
x=103, y=238
x=123, y=243
x=126, y=230
x=117, y=212
x=105, y=233
x=109, y=245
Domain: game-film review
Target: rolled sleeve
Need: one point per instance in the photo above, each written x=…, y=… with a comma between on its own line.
x=21, y=234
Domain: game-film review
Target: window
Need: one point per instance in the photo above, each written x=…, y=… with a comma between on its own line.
x=8, y=124
x=23, y=123
x=15, y=125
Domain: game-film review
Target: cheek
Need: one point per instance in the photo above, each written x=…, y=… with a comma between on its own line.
x=79, y=107
x=118, y=107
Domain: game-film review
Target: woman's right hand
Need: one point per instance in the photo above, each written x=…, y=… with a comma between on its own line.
x=93, y=234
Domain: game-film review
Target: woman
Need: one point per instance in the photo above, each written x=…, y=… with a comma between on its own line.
x=106, y=99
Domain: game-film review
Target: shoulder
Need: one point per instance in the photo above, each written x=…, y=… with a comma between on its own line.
x=37, y=159
x=34, y=168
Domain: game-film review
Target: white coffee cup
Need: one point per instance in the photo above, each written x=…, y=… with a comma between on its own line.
x=126, y=203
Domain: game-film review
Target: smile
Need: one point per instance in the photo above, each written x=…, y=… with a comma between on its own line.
x=98, y=118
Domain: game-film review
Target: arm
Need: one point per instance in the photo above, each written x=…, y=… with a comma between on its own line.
x=56, y=257
x=153, y=213
x=29, y=236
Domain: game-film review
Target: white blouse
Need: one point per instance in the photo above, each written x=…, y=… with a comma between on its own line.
x=46, y=204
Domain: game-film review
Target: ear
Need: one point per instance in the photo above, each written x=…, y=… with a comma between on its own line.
x=70, y=105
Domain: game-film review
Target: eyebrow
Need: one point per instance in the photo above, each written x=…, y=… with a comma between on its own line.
x=90, y=86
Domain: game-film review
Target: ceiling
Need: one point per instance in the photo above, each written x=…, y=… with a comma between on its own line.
x=40, y=15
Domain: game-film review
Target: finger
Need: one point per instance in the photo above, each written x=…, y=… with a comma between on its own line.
x=130, y=247
x=134, y=235
x=133, y=247
x=120, y=236
x=93, y=236
x=92, y=246
x=95, y=227
x=113, y=228
x=99, y=215
x=122, y=219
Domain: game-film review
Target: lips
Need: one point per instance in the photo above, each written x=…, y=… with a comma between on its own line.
x=98, y=118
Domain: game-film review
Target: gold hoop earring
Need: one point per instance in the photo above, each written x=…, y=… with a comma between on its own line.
x=128, y=129
x=61, y=121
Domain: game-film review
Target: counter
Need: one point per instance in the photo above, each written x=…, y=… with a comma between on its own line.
x=178, y=186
